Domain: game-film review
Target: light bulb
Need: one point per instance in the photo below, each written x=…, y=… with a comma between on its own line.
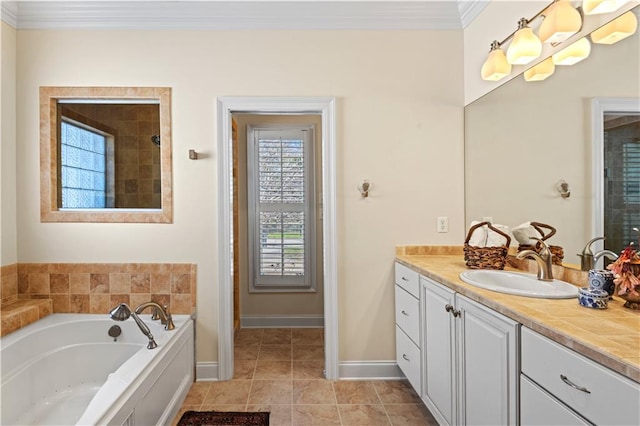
x=573, y=53
x=561, y=21
x=620, y=28
x=541, y=71
x=525, y=47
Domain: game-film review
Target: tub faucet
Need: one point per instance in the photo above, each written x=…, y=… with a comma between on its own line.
x=161, y=312
x=122, y=312
x=588, y=259
x=543, y=259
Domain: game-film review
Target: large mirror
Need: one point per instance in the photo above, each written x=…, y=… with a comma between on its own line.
x=524, y=139
x=105, y=154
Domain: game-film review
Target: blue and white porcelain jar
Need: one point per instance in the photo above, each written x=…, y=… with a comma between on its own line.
x=593, y=298
x=602, y=279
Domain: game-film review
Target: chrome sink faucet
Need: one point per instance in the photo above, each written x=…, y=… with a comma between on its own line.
x=161, y=312
x=543, y=259
x=588, y=259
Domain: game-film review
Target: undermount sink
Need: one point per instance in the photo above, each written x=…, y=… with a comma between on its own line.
x=519, y=283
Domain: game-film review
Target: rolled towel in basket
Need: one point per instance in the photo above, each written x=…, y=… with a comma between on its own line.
x=494, y=239
x=523, y=233
x=479, y=236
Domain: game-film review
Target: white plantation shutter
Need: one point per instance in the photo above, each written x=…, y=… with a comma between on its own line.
x=281, y=228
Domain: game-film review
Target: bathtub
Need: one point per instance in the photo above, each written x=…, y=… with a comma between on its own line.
x=65, y=369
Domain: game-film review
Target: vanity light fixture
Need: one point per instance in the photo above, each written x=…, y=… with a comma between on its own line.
x=561, y=21
x=525, y=47
x=573, y=53
x=620, y=28
x=496, y=66
x=595, y=7
x=541, y=71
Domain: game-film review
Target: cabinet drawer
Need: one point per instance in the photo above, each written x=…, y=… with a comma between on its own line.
x=408, y=358
x=408, y=314
x=407, y=279
x=606, y=396
x=537, y=407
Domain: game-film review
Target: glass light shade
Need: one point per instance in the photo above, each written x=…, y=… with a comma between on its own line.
x=620, y=28
x=496, y=66
x=524, y=48
x=541, y=71
x=561, y=22
x=573, y=53
x=594, y=7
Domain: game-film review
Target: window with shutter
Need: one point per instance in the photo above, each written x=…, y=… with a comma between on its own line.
x=281, y=208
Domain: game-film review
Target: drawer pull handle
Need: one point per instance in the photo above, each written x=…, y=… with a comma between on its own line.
x=449, y=308
x=405, y=313
x=573, y=385
x=405, y=279
x=405, y=357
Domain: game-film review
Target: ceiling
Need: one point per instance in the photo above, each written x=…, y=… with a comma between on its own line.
x=242, y=14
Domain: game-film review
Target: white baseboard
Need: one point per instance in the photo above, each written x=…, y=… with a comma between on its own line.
x=287, y=321
x=348, y=370
x=369, y=370
x=207, y=372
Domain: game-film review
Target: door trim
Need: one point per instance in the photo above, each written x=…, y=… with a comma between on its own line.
x=325, y=107
x=600, y=106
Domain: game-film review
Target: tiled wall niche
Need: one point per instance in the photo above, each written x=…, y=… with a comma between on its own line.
x=92, y=288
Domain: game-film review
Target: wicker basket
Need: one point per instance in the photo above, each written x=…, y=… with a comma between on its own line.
x=557, y=252
x=485, y=257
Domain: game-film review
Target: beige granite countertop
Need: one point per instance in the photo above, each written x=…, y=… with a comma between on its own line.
x=609, y=336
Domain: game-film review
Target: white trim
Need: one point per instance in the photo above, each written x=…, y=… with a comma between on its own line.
x=285, y=321
x=469, y=10
x=598, y=108
x=325, y=106
x=207, y=372
x=237, y=15
x=370, y=370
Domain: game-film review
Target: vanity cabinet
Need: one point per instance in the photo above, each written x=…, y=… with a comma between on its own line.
x=470, y=359
x=560, y=386
x=408, y=354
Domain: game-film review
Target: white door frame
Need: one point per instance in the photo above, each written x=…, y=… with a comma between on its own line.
x=600, y=106
x=325, y=107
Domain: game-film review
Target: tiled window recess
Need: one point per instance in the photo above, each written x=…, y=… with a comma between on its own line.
x=94, y=288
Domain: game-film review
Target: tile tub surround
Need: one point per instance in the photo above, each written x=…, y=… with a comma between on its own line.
x=608, y=336
x=9, y=281
x=97, y=287
x=20, y=313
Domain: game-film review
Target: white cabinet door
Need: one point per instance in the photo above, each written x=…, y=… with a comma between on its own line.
x=539, y=408
x=487, y=361
x=439, y=349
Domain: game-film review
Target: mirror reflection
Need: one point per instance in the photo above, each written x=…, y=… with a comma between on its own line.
x=525, y=138
x=109, y=154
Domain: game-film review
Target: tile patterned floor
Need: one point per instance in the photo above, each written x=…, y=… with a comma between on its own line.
x=280, y=370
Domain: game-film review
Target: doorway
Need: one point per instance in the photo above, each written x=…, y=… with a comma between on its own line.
x=325, y=109
x=616, y=171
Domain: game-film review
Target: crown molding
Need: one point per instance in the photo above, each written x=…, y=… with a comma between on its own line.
x=242, y=15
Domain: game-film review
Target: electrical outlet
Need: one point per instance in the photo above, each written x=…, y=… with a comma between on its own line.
x=443, y=224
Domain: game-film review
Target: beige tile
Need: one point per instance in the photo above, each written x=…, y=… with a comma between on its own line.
x=276, y=336
x=313, y=392
x=229, y=392
x=315, y=415
x=79, y=304
x=29, y=315
x=357, y=415
x=249, y=336
x=246, y=352
x=10, y=323
x=272, y=370
x=396, y=392
x=307, y=336
x=181, y=303
x=181, y=283
x=99, y=283
x=355, y=392
x=39, y=283
x=243, y=369
x=140, y=283
x=120, y=282
x=183, y=410
x=60, y=303
x=313, y=369
x=271, y=392
x=79, y=283
x=197, y=393
x=160, y=283
x=59, y=283
x=279, y=415
x=308, y=352
x=410, y=415
x=99, y=303
x=275, y=352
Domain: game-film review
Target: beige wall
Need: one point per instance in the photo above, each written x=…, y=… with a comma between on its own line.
x=264, y=304
x=400, y=125
x=8, y=227
x=524, y=137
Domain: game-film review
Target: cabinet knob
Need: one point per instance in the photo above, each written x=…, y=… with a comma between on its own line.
x=449, y=308
x=573, y=385
x=404, y=313
x=405, y=357
x=405, y=279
